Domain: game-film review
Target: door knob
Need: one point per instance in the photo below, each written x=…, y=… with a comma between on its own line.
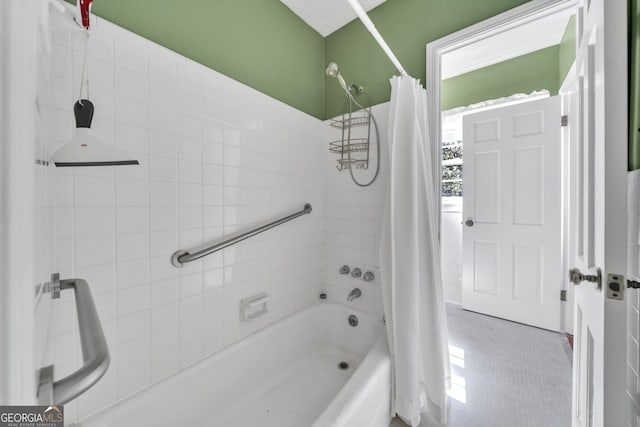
x=576, y=277
x=469, y=223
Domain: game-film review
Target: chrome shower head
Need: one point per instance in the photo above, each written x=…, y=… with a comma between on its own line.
x=333, y=71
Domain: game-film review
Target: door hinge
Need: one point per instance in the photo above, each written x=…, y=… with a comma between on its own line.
x=564, y=121
x=563, y=295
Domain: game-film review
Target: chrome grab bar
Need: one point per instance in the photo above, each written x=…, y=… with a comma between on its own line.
x=95, y=352
x=179, y=258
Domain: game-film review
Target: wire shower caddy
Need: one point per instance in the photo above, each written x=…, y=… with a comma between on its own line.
x=350, y=144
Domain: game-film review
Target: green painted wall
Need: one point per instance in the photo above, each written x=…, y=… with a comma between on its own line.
x=258, y=42
x=266, y=46
x=524, y=74
x=544, y=69
x=567, y=53
x=407, y=26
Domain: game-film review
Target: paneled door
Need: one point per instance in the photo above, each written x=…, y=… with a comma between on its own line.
x=605, y=345
x=512, y=213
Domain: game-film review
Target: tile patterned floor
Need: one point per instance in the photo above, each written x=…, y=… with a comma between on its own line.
x=506, y=374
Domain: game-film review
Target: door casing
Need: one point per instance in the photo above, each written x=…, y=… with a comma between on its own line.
x=525, y=14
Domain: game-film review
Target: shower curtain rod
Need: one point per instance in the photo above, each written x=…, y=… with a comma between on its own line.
x=376, y=35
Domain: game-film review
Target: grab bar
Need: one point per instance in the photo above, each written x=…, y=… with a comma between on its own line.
x=179, y=258
x=95, y=352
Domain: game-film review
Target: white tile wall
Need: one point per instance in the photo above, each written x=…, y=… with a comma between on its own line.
x=451, y=245
x=216, y=157
x=51, y=235
x=353, y=220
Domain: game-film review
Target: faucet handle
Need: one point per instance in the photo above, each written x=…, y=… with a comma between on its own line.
x=355, y=293
x=368, y=277
x=345, y=269
x=356, y=272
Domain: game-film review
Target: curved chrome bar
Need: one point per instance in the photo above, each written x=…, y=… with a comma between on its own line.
x=95, y=352
x=179, y=258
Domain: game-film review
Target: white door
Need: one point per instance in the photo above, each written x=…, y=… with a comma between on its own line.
x=512, y=213
x=598, y=229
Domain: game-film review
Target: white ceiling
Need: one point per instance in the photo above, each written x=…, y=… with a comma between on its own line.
x=509, y=44
x=326, y=16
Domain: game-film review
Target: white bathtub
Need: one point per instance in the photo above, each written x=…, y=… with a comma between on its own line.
x=284, y=375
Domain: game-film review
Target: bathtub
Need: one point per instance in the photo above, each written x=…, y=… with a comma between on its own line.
x=287, y=374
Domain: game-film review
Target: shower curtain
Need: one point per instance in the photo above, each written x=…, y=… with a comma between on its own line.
x=410, y=264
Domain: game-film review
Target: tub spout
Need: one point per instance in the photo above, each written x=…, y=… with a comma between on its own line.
x=355, y=293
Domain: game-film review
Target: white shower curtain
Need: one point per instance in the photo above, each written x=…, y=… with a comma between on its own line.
x=410, y=264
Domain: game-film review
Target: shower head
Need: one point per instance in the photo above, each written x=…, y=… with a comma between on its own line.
x=333, y=71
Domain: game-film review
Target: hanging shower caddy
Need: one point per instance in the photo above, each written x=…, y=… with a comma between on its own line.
x=353, y=146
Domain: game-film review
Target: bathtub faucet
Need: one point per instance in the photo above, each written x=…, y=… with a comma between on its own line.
x=355, y=293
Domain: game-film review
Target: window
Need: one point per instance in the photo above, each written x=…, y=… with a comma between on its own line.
x=451, y=168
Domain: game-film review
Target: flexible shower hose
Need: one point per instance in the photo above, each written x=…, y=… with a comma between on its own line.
x=375, y=126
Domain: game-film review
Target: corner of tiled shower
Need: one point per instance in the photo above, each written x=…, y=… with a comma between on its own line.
x=353, y=220
x=242, y=158
x=216, y=157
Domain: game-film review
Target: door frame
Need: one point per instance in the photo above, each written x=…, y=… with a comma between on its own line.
x=527, y=13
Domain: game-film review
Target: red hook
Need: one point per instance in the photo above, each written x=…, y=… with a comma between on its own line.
x=84, y=12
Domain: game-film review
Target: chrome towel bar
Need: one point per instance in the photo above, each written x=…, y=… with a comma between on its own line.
x=95, y=352
x=179, y=258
